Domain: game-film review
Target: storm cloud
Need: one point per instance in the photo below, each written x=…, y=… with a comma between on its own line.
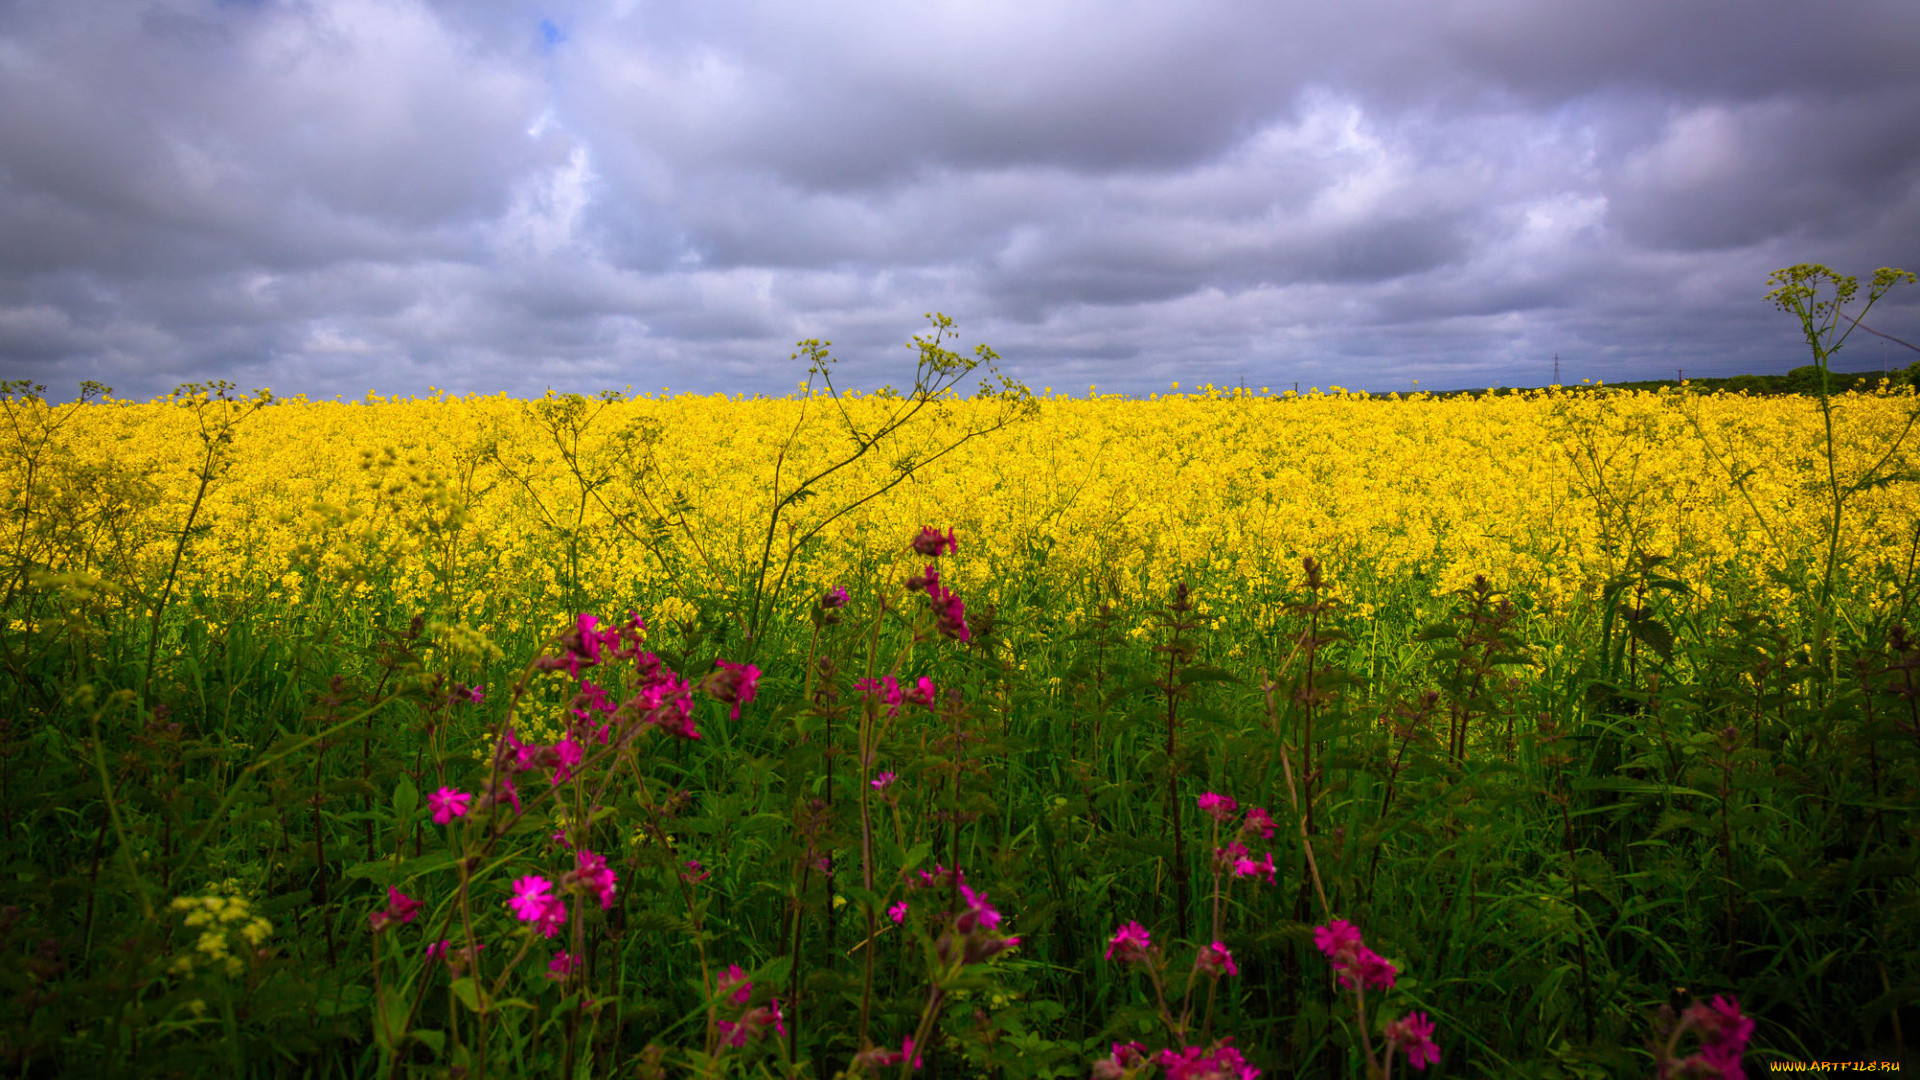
x=332, y=196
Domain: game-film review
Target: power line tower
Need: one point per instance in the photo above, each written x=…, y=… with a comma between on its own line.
x=1556, y=369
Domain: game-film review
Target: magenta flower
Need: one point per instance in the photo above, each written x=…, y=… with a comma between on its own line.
x=884, y=781
x=1213, y=960
x=875, y=1057
x=533, y=902
x=1357, y=965
x=455, y=958
x=898, y=913
x=933, y=545
x=735, y=980
x=1193, y=1063
x=694, y=874
x=836, y=599
x=733, y=684
x=922, y=693
x=1231, y=855
x=401, y=908
x=1245, y=867
x=592, y=873
x=1414, y=1034
x=1336, y=937
x=1127, y=1055
x=1723, y=1037
x=567, y=756
x=447, y=804
x=562, y=965
x=1218, y=807
x=950, y=617
x=1259, y=821
x=1132, y=941
x=885, y=687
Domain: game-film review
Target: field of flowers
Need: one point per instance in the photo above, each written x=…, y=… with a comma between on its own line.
x=1565, y=733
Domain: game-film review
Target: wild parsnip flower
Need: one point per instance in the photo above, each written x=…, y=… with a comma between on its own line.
x=447, y=804
x=228, y=930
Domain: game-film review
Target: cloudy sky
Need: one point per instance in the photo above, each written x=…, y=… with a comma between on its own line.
x=332, y=196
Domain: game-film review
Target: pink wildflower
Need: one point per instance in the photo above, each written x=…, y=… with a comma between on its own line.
x=884, y=781
x=922, y=693
x=567, y=756
x=1723, y=1037
x=1357, y=965
x=1193, y=1063
x=885, y=686
x=1258, y=820
x=533, y=902
x=733, y=684
x=592, y=873
x=401, y=908
x=694, y=874
x=447, y=804
x=1245, y=867
x=1336, y=937
x=562, y=965
x=1132, y=941
x=1218, y=807
x=1125, y=1056
x=933, y=545
x=898, y=913
x=1231, y=855
x=753, y=1024
x=874, y=1057
x=1414, y=1034
x=735, y=980
x=1213, y=960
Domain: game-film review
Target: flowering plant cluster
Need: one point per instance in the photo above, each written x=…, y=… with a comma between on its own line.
x=1132, y=945
x=602, y=727
x=1723, y=1032
x=1360, y=968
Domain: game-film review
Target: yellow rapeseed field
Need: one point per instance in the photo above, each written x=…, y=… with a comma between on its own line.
x=486, y=509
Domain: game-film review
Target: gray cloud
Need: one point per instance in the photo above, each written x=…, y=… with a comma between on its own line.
x=328, y=196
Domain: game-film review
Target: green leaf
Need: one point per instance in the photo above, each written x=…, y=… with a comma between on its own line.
x=406, y=798
x=468, y=994
x=1654, y=634
x=390, y=1021
x=1194, y=675
x=435, y=1040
